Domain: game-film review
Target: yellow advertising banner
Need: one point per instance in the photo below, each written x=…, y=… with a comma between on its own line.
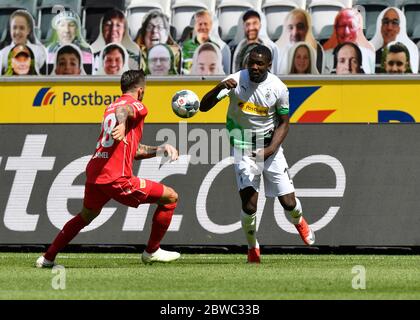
x=328, y=101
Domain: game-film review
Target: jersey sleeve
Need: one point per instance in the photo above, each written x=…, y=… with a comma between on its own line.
x=137, y=107
x=234, y=76
x=282, y=104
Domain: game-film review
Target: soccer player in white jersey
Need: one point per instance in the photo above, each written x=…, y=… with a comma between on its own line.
x=258, y=122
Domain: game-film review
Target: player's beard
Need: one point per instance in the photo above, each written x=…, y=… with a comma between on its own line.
x=257, y=77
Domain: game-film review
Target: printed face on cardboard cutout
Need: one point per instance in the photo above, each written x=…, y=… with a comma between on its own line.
x=347, y=26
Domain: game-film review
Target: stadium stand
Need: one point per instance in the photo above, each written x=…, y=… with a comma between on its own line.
x=183, y=11
x=411, y=9
x=276, y=11
x=323, y=13
x=416, y=34
x=137, y=9
x=45, y=13
x=229, y=12
x=226, y=12
x=93, y=12
x=8, y=6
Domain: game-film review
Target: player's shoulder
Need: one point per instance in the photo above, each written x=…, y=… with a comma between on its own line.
x=235, y=76
x=274, y=78
x=276, y=82
x=127, y=101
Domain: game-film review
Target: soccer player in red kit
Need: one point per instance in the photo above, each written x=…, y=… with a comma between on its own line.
x=109, y=174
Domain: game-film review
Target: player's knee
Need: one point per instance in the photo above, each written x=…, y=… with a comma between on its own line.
x=288, y=203
x=249, y=208
x=89, y=215
x=172, y=196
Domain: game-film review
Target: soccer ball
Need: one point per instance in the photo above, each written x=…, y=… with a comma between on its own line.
x=185, y=103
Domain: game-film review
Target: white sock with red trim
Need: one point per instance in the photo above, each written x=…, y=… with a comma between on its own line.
x=296, y=213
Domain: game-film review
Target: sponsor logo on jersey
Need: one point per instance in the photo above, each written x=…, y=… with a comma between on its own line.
x=250, y=108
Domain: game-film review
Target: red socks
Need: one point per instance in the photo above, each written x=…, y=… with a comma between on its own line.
x=161, y=221
x=69, y=231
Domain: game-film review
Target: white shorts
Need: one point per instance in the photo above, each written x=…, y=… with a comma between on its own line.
x=277, y=181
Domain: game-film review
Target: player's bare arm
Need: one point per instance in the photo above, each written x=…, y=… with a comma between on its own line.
x=279, y=135
x=122, y=113
x=146, y=152
x=210, y=99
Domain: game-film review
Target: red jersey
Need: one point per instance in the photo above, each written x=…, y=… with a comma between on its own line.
x=114, y=159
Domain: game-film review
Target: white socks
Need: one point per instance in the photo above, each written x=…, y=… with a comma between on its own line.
x=296, y=213
x=249, y=225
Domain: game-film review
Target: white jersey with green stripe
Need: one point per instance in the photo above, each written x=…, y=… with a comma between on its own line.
x=254, y=108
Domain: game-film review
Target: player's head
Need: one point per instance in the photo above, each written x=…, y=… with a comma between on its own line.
x=259, y=62
x=134, y=82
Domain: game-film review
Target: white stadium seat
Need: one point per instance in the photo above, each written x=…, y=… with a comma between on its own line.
x=411, y=9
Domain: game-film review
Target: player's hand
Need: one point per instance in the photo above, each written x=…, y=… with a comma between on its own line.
x=168, y=151
x=118, y=133
x=229, y=84
x=262, y=154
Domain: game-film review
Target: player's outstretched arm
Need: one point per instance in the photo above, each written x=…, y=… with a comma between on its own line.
x=279, y=135
x=122, y=113
x=166, y=150
x=212, y=97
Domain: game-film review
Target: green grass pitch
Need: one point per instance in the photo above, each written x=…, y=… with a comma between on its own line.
x=211, y=276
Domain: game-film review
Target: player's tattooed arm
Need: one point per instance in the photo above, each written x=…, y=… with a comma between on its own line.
x=145, y=152
x=166, y=150
x=122, y=113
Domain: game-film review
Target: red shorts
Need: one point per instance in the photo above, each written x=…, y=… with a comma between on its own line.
x=130, y=191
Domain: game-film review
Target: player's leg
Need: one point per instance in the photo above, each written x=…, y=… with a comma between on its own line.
x=248, y=181
x=134, y=191
x=94, y=199
x=249, y=198
x=162, y=218
x=278, y=184
x=293, y=207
